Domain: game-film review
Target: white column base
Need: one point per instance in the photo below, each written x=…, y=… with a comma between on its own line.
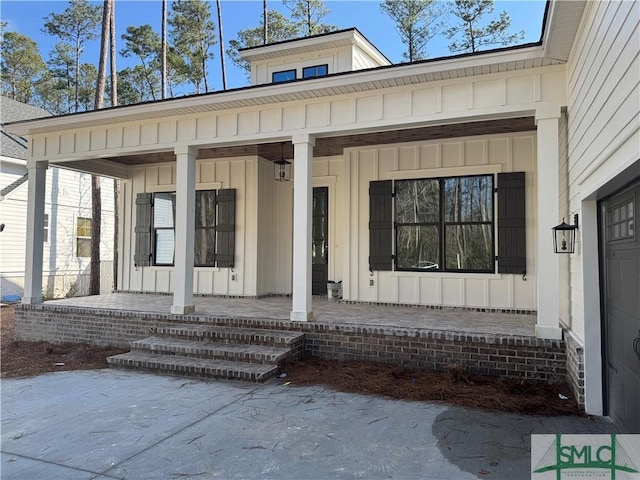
x=32, y=300
x=549, y=333
x=183, y=309
x=301, y=316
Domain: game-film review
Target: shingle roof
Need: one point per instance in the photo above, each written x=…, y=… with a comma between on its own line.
x=11, y=111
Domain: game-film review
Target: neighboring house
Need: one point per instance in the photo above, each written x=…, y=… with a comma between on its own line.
x=435, y=183
x=67, y=218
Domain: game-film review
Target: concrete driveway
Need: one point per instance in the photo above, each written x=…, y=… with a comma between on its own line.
x=109, y=424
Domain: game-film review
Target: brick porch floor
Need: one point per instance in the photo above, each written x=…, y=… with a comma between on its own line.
x=325, y=311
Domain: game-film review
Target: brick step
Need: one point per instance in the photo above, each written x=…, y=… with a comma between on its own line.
x=212, y=350
x=221, y=334
x=192, y=366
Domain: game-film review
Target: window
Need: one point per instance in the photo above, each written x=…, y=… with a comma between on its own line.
x=46, y=228
x=283, y=76
x=444, y=224
x=214, y=235
x=164, y=216
x=315, y=71
x=205, y=238
x=83, y=237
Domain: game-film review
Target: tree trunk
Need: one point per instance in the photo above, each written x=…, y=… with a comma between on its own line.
x=96, y=200
x=113, y=70
x=116, y=183
x=224, y=70
x=265, y=22
x=164, y=49
x=96, y=212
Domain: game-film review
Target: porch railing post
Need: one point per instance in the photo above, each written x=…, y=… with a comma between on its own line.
x=302, y=198
x=547, y=188
x=184, y=229
x=36, y=190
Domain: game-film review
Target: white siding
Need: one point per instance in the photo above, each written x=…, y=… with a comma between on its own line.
x=603, y=118
x=68, y=196
x=464, y=156
x=239, y=173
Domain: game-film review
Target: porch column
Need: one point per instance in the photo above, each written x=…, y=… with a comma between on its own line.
x=184, y=230
x=37, y=175
x=302, y=199
x=548, y=262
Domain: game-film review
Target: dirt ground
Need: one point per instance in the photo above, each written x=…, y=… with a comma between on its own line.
x=27, y=359
x=454, y=386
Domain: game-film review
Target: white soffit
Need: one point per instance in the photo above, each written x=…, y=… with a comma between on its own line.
x=337, y=84
x=560, y=33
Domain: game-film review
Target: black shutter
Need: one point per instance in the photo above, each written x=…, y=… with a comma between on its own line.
x=512, y=249
x=226, y=227
x=142, y=256
x=380, y=225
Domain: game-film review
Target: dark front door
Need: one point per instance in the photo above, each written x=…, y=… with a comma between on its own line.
x=622, y=307
x=320, y=241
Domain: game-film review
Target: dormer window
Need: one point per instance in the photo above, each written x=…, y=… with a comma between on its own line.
x=315, y=71
x=283, y=76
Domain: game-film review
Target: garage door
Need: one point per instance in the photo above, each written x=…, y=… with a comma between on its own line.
x=622, y=307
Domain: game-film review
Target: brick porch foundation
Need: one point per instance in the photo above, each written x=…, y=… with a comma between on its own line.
x=503, y=355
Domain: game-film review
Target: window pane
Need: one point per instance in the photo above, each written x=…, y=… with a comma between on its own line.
x=164, y=247
x=205, y=208
x=315, y=71
x=469, y=247
x=83, y=247
x=283, y=76
x=84, y=227
x=205, y=244
x=469, y=199
x=164, y=210
x=418, y=247
x=418, y=201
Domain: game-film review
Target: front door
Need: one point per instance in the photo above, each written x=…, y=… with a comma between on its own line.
x=320, y=241
x=622, y=307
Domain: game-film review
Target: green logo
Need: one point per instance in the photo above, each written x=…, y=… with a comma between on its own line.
x=586, y=454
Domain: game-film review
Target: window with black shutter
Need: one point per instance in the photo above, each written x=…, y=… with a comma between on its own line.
x=214, y=236
x=512, y=248
x=142, y=255
x=381, y=225
x=447, y=224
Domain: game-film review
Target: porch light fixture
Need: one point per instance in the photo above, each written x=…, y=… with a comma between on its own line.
x=564, y=236
x=282, y=167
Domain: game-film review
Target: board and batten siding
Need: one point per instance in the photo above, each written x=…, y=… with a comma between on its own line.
x=603, y=76
x=490, y=154
x=239, y=173
x=436, y=102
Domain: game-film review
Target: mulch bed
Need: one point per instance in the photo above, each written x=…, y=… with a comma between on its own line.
x=454, y=386
x=26, y=359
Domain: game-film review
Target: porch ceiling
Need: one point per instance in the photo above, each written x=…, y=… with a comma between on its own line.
x=335, y=145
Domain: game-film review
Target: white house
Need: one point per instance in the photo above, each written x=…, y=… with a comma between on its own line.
x=436, y=182
x=67, y=218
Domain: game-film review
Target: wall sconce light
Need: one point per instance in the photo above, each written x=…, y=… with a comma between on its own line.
x=564, y=236
x=282, y=167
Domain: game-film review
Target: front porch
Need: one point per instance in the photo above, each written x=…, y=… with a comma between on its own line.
x=488, y=342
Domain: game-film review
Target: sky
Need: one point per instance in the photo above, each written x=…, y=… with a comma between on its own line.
x=26, y=17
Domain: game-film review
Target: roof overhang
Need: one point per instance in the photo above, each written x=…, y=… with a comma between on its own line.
x=553, y=49
x=342, y=38
x=337, y=84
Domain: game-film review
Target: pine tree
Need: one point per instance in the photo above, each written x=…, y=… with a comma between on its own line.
x=308, y=15
x=21, y=66
x=417, y=22
x=192, y=34
x=470, y=36
x=76, y=25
